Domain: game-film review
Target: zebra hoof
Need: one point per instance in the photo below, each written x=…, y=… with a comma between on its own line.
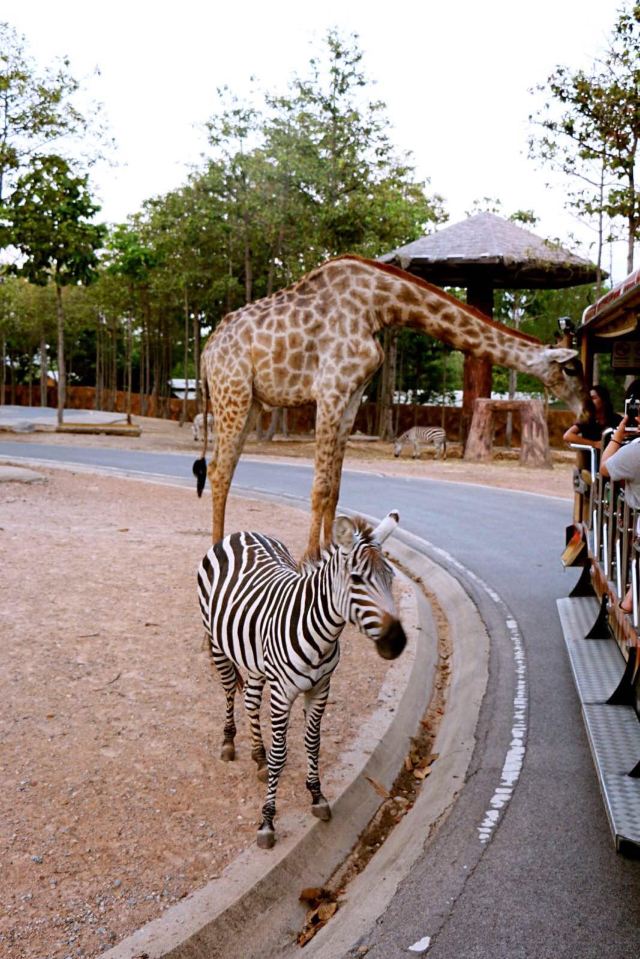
x=263, y=773
x=266, y=838
x=321, y=810
x=228, y=752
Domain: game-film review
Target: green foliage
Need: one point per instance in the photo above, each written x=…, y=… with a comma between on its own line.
x=36, y=107
x=590, y=130
x=48, y=219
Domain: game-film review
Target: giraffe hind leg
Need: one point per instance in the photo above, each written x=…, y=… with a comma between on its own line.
x=230, y=436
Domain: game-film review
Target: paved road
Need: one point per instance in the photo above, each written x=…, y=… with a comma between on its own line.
x=543, y=880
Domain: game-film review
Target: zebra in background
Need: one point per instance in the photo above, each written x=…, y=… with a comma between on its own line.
x=198, y=426
x=280, y=622
x=420, y=436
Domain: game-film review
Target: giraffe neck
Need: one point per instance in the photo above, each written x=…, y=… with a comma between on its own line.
x=414, y=303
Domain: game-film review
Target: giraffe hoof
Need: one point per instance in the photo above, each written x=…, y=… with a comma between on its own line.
x=263, y=773
x=321, y=810
x=228, y=752
x=266, y=838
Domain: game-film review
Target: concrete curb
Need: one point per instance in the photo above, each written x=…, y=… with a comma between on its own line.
x=371, y=892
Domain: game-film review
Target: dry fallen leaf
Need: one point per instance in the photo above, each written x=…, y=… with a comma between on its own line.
x=379, y=788
x=422, y=773
x=312, y=893
x=326, y=910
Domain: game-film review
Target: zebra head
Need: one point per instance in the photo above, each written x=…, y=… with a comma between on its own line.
x=364, y=594
x=397, y=448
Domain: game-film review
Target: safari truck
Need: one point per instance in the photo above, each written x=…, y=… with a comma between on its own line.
x=603, y=540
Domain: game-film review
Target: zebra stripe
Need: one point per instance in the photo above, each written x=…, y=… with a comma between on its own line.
x=280, y=623
x=419, y=436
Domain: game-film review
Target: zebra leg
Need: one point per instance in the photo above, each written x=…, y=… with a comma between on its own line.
x=229, y=678
x=252, y=701
x=280, y=712
x=315, y=702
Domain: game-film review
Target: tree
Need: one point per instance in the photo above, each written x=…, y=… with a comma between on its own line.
x=36, y=107
x=48, y=219
x=591, y=130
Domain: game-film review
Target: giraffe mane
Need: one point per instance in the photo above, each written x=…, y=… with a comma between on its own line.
x=418, y=281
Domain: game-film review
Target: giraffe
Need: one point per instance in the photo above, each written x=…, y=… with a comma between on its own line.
x=315, y=341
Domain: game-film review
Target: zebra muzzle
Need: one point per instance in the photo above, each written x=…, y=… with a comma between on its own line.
x=392, y=641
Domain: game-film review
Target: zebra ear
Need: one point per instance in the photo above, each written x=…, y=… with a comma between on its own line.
x=386, y=527
x=343, y=531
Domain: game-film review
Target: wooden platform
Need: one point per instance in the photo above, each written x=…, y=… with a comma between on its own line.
x=113, y=429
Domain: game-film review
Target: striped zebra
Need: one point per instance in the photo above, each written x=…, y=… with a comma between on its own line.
x=420, y=436
x=198, y=426
x=280, y=622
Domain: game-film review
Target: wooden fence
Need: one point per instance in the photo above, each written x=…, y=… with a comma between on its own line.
x=299, y=420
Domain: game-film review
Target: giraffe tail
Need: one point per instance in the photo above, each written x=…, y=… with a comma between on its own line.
x=200, y=465
x=200, y=473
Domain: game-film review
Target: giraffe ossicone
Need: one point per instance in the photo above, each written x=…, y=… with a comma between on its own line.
x=315, y=341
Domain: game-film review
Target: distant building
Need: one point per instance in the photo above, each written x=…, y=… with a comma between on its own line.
x=179, y=387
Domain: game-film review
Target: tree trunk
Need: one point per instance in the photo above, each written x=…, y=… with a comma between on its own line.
x=534, y=436
x=479, y=446
x=62, y=373
x=185, y=359
x=534, y=443
x=99, y=363
x=44, y=371
x=129, y=365
x=196, y=357
x=3, y=357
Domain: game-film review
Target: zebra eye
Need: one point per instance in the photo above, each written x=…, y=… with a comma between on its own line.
x=357, y=579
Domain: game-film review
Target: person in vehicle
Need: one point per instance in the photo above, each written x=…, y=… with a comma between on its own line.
x=598, y=415
x=621, y=461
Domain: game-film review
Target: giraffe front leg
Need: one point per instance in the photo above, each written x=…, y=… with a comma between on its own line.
x=336, y=460
x=252, y=702
x=315, y=702
x=280, y=711
x=229, y=678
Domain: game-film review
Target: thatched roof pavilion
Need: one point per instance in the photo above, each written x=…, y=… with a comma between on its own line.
x=486, y=253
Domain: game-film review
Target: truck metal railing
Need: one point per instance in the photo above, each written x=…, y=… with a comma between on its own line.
x=609, y=524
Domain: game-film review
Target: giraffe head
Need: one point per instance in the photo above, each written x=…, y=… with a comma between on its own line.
x=560, y=372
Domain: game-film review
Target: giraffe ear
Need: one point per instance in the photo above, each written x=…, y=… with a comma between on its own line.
x=561, y=354
x=344, y=531
x=553, y=354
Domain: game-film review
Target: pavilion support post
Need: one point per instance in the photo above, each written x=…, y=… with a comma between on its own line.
x=477, y=372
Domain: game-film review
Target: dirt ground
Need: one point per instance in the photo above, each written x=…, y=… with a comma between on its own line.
x=114, y=802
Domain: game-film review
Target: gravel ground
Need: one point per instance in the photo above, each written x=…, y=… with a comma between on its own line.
x=115, y=803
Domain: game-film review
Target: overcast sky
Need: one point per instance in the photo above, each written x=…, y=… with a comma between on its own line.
x=455, y=78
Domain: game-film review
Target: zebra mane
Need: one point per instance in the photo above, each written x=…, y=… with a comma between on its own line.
x=314, y=558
